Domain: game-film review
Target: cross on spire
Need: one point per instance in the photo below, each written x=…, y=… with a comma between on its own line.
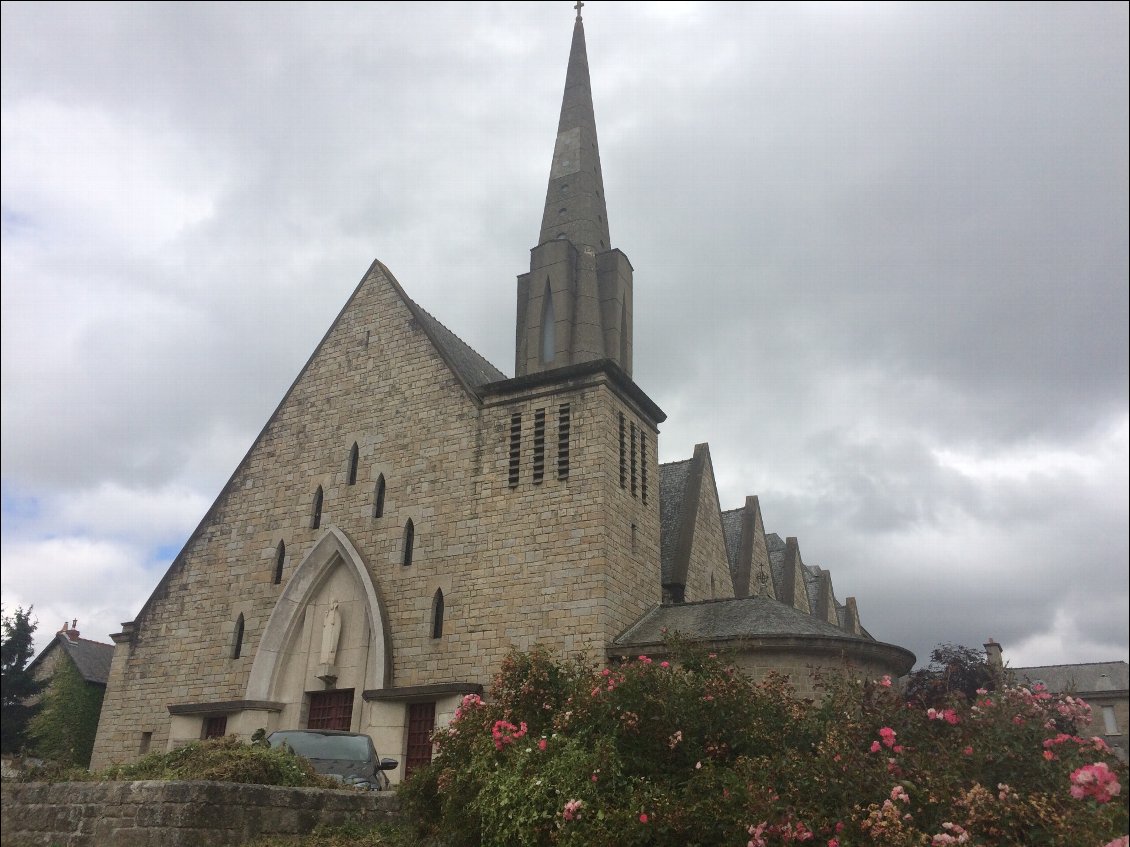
x=580, y=3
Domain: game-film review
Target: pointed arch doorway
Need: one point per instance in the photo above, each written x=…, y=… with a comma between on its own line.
x=325, y=641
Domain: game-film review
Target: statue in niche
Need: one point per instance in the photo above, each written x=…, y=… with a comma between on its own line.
x=331, y=633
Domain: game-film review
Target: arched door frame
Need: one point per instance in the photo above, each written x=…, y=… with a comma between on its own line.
x=289, y=612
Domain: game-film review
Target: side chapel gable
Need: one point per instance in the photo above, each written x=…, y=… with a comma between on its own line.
x=694, y=556
x=747, y=550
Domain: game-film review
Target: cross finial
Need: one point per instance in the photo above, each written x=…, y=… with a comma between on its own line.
x=580, y=3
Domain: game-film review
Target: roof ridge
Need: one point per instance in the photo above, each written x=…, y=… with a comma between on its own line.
x=92, y=641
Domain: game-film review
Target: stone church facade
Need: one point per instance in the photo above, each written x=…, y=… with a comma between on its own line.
x=409, y=514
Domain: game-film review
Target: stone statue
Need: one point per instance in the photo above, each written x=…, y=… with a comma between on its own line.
x=331, y=633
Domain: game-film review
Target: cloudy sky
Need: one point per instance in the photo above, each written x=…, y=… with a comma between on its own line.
x=881, y=267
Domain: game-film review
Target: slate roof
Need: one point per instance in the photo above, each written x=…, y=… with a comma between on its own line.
x=748, y=617
x=91, y=658
x=1086, y=676
x=812, y=586
x=672, y=492
x=732, y=530
x=469, y=365
x=776, y=547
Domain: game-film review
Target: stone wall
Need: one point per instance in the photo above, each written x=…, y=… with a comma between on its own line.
x=173, y=814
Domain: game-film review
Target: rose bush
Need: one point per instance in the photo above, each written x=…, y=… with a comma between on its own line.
x=694, y=752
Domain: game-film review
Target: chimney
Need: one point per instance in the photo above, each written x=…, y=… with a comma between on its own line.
x=994, y=654
x=70, y=632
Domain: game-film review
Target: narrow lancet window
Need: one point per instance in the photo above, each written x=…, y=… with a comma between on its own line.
x=548, y=327
x=237, y=638
x=280, y=560
x=316, y=513
x=437, y=614
x=379, y=497
x=409, y=541
x=624, y=336
x=353, y=456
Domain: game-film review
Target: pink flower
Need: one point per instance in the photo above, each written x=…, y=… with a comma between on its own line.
x=1049, y=755
x=1097, y=781
x=643, y=818
x=875, y=748
x=664, y=664
x=541, y=744
x=888, y=736
x=886, y=680
x=833, y=842
x=572, y=809
x=968, y=751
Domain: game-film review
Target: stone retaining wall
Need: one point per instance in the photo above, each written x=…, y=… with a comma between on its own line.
x=173, y=814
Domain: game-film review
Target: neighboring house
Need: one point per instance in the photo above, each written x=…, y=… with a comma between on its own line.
x=1104, y=685
x=74, y=671
x=409, y=514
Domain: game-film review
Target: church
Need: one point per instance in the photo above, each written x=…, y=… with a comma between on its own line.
x=409, y=514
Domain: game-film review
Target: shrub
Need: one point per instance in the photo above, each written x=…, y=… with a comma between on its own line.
x=694, y=752
x=220, y=759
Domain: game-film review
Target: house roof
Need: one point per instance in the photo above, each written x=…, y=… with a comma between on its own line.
x=91, y=658
x=1086, y=676
x=747, y=617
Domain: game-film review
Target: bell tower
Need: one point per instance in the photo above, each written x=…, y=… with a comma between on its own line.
x=575, y=304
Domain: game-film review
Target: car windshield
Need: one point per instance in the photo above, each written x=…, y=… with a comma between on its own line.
x=314, y=745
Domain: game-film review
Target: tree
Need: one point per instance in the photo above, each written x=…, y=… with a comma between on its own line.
x=17, y=686
x=953, y=669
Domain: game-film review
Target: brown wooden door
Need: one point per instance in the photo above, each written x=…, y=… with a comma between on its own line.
x=331, y=710
x=421, y=724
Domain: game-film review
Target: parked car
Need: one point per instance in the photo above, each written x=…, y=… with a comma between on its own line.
x=348, y=756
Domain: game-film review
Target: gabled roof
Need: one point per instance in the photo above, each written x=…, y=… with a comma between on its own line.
x=91, y=658
x=1086, y=676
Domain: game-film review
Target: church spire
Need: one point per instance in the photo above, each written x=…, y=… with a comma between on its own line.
x=574, y=201
x=575, y=304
